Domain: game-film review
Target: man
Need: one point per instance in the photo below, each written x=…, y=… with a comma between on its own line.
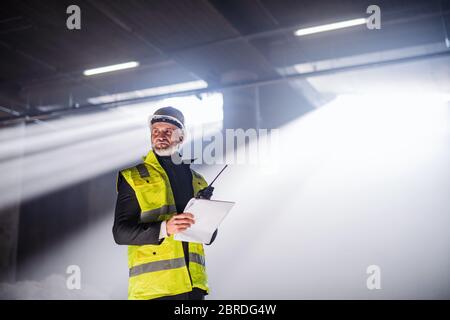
x=149, y=197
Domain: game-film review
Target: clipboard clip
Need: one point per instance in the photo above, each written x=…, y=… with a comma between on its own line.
x=206, y=193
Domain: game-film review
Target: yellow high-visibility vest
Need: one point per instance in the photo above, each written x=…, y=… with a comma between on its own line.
x=160, y=270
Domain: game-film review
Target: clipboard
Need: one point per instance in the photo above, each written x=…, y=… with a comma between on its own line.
x=208, y=215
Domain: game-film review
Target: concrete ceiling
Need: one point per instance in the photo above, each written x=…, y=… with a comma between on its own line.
x=41, y=61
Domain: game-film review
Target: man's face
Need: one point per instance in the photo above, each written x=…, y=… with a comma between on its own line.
x=165, y=135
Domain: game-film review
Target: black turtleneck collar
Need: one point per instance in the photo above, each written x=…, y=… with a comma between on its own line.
x=168, y=160
x=180, y=178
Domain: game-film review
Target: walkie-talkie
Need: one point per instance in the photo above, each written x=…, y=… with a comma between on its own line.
x=207, y=192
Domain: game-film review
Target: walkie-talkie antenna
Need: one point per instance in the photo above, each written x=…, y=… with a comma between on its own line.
x=218, y=175
x=207, y=192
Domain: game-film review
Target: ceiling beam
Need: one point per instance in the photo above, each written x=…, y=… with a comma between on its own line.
x=97, y=107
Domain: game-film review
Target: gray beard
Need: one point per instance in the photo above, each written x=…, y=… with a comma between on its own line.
x=167, y=151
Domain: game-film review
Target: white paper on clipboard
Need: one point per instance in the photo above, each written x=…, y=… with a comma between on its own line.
x=208, y=214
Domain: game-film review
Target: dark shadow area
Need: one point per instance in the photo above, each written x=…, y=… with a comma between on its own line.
x=50, y=220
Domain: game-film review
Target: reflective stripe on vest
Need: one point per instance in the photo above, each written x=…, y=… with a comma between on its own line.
x=195, y=257
x=142, y=169
x=157, y=214
x=157, y=266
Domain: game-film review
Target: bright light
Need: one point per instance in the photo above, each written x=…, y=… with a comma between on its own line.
x=115, y=67
x=91, y=144
x=150, y=92
x=329, y=27
x=361, y=177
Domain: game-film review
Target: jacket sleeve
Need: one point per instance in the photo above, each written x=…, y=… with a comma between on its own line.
x=127, y=228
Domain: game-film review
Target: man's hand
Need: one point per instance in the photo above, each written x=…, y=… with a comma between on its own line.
x=179, y=223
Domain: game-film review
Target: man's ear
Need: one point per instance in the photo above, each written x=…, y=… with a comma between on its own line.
x=181, y=138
